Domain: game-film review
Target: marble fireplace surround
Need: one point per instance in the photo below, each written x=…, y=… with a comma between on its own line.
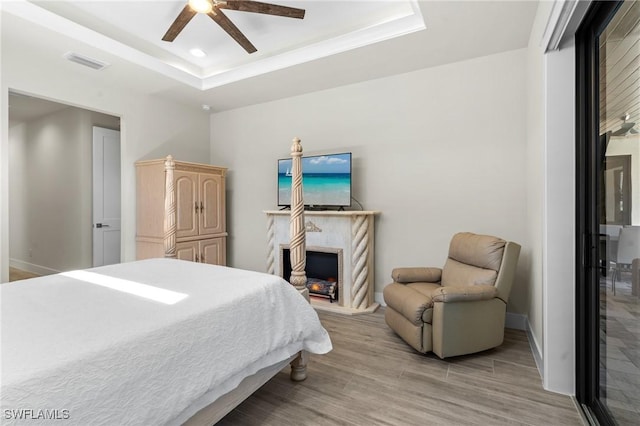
x=349, y=233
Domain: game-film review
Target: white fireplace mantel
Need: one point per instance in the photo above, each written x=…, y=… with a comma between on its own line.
x=349, y=231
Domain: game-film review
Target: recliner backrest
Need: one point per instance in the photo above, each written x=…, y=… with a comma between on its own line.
x=473, y=259
x=507, y=273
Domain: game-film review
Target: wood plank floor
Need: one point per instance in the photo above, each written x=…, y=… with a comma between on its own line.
x=18, y=274
x=373, y=378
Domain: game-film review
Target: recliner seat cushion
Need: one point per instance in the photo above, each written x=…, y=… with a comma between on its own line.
x=409, y=303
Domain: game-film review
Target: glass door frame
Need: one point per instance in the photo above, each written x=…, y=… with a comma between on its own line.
x=588, y=170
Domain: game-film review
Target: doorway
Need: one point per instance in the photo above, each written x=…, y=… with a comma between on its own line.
x=608, y=217
x=50, y=184
x=106, y=196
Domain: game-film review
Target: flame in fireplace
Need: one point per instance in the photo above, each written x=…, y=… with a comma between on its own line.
x=315, y=287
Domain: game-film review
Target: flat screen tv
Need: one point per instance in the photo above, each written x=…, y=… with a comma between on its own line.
x=326, y=180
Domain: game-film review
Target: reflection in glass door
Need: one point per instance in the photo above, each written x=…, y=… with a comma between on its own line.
x=619, y=196
x=608, y=212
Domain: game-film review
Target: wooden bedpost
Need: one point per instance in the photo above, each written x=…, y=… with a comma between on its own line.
x=297, y=246
x=170, y=209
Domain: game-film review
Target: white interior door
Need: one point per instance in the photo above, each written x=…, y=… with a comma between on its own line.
x=106, y=196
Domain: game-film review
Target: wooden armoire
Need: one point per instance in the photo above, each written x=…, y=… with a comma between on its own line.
x=200, y=211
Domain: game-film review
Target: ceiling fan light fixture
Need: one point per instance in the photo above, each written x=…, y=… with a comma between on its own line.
x=201, y=6
x=212, y=8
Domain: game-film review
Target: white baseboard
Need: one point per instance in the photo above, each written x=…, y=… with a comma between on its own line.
x=535, y=350
x=30, y=267
x=521, y=322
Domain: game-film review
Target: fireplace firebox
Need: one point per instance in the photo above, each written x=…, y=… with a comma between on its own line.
x=322, y=270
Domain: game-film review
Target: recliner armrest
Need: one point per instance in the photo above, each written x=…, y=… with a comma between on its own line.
x=464, y=294
x=415, y=274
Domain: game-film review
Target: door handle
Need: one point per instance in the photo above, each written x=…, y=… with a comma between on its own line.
x=196, y=203
x=201, y=207
x=102, y=225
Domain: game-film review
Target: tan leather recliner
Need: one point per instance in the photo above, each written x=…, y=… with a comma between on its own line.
x=459, y=309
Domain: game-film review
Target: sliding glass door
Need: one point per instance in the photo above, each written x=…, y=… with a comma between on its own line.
x=608, y=212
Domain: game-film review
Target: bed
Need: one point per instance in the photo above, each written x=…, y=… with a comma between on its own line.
x=157, y=341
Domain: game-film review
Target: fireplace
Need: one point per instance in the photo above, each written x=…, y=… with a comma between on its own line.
x=323, y=270
x=350, y=235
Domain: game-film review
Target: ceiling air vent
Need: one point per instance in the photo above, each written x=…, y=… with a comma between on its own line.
x=86, y=61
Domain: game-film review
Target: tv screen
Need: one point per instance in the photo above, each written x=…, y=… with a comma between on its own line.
x=326, y=180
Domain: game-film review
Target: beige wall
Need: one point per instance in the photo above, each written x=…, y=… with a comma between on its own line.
x=150, y=127
x=437, y=151
x=50, y=205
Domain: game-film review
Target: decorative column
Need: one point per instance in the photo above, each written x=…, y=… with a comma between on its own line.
x=297, y=248
x=359, y=262
x=271, y=237
x=170, y=209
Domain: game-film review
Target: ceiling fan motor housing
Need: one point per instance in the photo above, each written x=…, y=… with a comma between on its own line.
x=213, y=8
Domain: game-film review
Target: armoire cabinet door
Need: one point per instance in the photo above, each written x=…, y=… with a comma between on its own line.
x=188, y=251
x=213, y=251
x=187, y=203
x=211, y=219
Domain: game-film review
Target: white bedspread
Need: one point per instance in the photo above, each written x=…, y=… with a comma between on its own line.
x=93, y=355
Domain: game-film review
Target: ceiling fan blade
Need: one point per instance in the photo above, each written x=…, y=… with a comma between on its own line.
x=178, y=25
x=265, y=8
x=226, y=24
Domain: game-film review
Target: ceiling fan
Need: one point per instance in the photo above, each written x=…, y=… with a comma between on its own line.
x=626, y=128
x=213, y=8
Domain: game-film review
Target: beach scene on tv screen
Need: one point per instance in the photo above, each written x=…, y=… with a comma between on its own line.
x=326, y=180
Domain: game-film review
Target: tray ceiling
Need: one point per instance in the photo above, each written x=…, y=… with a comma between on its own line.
x=340, y=42
x=133, y=30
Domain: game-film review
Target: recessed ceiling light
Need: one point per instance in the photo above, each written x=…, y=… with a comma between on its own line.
x=198, y=53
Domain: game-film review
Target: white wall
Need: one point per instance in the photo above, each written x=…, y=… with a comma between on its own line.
x=150, y=126
x=551, y=185
x=535, y=176
x=18, y=238
x=437, y=151
x=559, y=262
x=50, y=191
